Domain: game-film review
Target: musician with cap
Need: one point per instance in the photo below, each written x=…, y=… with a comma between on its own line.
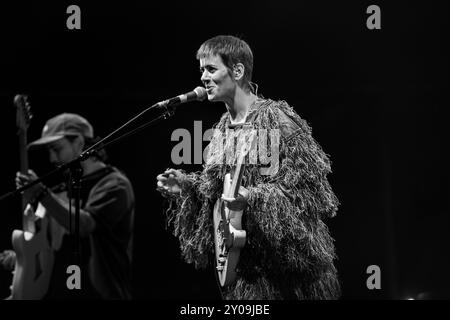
x=106, y=214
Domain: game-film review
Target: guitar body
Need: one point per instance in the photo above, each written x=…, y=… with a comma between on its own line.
x=34, y=262
x=35, y=254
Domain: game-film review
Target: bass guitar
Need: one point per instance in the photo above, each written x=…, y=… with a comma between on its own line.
x=34, y=245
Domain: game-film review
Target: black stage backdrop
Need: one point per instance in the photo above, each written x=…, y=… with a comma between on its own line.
x=376, y=99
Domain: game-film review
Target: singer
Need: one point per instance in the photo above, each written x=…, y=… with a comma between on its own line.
x=288, y=252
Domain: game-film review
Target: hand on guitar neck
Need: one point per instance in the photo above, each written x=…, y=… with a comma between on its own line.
x=34, y=192
x=239, y=203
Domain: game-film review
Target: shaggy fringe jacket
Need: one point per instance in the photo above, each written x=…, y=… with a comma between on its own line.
x=289, y=252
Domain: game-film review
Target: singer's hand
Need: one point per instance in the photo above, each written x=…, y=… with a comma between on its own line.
x=239, y=203
x=170, y=182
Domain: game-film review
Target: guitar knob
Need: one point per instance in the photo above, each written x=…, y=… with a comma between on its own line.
x=222, y=260
x=219, y=268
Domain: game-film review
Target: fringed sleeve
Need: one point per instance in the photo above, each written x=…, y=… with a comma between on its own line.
x=284, y=216
x=190, y=213
x=191, y=221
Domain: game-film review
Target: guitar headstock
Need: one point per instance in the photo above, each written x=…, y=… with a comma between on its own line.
x=23, y=112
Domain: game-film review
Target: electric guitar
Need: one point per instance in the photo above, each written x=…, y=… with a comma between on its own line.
x=229, y=237
x=35, y=244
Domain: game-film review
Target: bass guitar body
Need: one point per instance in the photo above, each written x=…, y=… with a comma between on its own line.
x=34, y=260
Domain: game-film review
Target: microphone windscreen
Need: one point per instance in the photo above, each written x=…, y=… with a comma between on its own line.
x=201, y=93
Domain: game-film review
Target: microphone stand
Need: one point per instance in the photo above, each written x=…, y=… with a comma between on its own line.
x=76, y=171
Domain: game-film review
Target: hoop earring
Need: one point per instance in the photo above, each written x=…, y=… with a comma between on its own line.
x=253, y=87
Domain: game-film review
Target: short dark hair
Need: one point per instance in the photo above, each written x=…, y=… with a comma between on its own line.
x=231, y=50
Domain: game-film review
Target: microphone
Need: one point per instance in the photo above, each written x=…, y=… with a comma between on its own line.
x=198, y=94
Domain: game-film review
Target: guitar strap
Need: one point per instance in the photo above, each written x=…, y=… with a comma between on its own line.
x=248, y=121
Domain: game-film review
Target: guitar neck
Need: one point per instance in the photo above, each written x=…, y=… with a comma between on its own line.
x=237, y=178
x=23, y=153
x=240, y=167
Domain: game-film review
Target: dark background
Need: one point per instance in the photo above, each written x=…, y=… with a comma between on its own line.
x=376, y=99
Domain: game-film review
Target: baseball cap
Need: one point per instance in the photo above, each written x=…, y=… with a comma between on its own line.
x=62, y=125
